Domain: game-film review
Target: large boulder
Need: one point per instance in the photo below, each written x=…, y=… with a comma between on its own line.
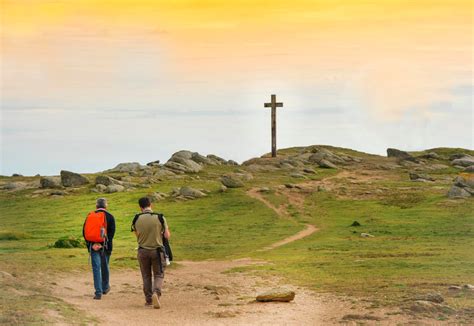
x=183, y=165
x=198, y=158
x=106, y=180
x=50, y=182
x=464, y=161
x=18, y=185
x=182, y=154
x=401, y=155
x=232, y=181
x=280, y=295
x=71, y=179
x=326, y=164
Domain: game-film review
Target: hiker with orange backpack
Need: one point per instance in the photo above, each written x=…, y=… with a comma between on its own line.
x=98, y=231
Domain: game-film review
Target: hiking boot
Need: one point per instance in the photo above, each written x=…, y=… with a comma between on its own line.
x=106, y=291
x=156, y=301
x=97, y=297
x=148, y=304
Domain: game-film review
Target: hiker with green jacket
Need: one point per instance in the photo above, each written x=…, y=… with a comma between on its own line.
x=98, y=231
x=150, y=228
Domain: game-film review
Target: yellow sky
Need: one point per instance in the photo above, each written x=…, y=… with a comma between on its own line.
x=399, y=51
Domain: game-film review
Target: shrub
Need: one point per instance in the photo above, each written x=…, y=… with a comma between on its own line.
x=68, y=242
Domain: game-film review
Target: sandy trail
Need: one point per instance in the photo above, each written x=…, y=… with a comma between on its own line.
x=205, y=293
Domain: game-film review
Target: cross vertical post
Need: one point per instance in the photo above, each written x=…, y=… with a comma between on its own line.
x=273, y=105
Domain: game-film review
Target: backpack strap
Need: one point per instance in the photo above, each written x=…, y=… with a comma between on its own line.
x=134, y=221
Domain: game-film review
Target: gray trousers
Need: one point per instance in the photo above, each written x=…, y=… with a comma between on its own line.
x=149, y=265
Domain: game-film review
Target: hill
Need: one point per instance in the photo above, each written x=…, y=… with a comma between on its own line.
x=373, y=236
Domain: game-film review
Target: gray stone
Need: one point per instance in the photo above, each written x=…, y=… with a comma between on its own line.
x=366, y=235
x=464, y=161
x=456, y=156
x=16, y=175
x=223, y=188
x=232, y=162
x=433, y=297
x=217, y=159
x=263, y=189
x=280, y=295
x=106, y=180
x=128, y=167
x=187, y=155
x=50, y=182
x=57, y=193
x=191, y=192
x=231, y=181
x=179, y=163
x=309, y=171
x=198, y=158
x=71, y=179
x=401, y=155
x=457, y=192
x=469, y=287
x=455, y=288
x=114, y=188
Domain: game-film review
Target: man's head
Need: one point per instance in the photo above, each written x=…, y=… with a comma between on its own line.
x=144, y=202
x=101, y=203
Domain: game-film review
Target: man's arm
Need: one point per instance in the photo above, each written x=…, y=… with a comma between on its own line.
x=167, y=233
x=110, y=226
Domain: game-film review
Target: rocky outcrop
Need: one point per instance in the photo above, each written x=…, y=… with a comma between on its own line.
x=154, y=163
x=280, y=295
x=191, y=192
x=71, y=179
x=50, y=182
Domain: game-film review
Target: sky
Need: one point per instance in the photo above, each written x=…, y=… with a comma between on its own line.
x=88, y=84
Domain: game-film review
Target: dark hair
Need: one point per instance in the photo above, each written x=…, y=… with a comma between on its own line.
x=144, y=202
x=101, y=203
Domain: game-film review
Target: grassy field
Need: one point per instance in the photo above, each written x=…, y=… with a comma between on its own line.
x=422, y=241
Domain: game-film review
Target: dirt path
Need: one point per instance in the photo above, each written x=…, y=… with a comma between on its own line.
x=205, y=293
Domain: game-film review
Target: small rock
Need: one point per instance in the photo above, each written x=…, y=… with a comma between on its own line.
x=101, y=187
x=366, y=235
x=355, y=223
x=223, y=188
x=289, y=185
x=16, y=175
x=454, y=288
x=420, y=177
x=309, y=171
x=57, y=193
x=280, y=295
x=433, y=297
x=326, y=164
x=263, y=189
x=154, y=163
x=191, y=192
x=468, y=287
x=457, y=192
x=231, y=181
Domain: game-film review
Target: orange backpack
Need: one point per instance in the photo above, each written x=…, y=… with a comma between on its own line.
x=95, y=227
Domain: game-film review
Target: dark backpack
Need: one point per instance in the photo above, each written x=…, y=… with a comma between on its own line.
x=166, y=243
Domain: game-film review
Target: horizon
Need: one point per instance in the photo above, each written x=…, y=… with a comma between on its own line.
x=89, y=84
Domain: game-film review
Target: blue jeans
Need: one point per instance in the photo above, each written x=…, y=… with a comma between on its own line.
x=100, y=271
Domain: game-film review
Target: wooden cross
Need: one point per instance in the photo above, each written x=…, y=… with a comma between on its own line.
x=274, y=104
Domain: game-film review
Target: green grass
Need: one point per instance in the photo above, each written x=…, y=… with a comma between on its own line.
x=422, y=241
